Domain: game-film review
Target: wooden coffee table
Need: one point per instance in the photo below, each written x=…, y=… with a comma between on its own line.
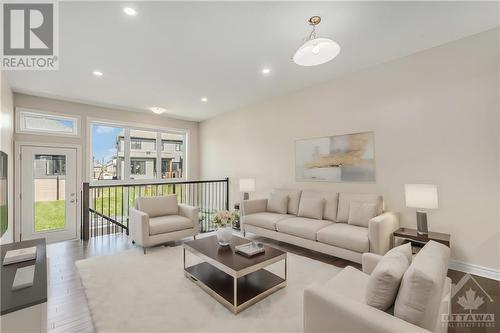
x=232, y=279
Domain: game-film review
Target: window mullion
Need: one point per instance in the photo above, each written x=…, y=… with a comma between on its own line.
x=126, y=151
x=158, y=155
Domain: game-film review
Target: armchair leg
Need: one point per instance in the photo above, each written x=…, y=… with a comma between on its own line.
x=144, y=249
x=244, y=233
x=194, y=237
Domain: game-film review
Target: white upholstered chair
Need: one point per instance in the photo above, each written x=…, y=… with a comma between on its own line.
x=157, y=220
x=422, y=303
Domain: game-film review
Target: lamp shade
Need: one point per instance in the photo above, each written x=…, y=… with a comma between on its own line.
x=247, y=185
x=316, y=51
x=421, y=196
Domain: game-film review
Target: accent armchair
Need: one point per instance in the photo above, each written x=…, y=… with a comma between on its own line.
x=157, y=220
x=422, y=304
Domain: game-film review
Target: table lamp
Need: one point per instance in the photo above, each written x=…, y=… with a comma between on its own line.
x=247, y=185
x=421, y=196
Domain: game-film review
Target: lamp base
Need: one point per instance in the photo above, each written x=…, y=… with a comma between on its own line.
x=422, y=223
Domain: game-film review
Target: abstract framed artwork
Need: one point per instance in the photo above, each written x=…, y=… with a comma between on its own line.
x=338, y=158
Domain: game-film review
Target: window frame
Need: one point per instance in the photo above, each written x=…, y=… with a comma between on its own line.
x=20, y=128
x=127, y=127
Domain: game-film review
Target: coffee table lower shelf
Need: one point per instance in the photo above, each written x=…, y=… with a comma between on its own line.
x=249, y=288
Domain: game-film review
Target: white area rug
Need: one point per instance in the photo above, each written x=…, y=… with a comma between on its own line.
x=132, y=292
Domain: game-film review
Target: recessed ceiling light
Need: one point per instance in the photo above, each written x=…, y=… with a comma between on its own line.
x=204, y=99
x=97, y=73
x=130, y=11
x=158, y=110
x=266, y=71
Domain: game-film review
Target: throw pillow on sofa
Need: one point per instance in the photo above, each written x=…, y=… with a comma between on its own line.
x=277, y=203
x=311, y=207
x=361, y=212
x=386, y=277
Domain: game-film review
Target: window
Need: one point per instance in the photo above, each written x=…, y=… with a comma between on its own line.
x=108, y=153
x=115, y=147
x=135, y=144
x=137, y=167
x=35, y=122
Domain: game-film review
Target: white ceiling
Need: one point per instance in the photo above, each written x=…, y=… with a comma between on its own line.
x=172, y=54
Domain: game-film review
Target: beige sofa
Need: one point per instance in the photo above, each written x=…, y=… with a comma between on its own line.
x=157, y=220
x=422, y=303
x=324, y=222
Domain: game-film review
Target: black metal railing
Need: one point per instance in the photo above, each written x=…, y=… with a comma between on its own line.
x=105, y=207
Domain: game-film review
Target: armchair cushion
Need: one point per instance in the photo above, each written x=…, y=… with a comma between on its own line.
x=264, y=220
x=169, y=223
x=346, y=198
x=158, y=206
x=386, y=277
x=419, y=297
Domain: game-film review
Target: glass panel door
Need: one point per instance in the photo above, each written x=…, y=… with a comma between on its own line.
x=48, y=193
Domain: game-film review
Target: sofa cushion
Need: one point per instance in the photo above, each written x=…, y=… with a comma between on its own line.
x=158, y=206
x=277, y=203
x=346, y=198
x=419, y=297
x=361, y=212
x=385, y=279
x=264, y=220
x=331, y=206
x=346, y=236
x=301, y=227
x=293, y=199
x=311, y=206
x=164, y=224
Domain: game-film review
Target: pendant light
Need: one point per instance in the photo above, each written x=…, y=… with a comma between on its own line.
x=315, y=51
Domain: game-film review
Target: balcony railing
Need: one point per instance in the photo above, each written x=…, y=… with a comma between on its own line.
x=105, y=207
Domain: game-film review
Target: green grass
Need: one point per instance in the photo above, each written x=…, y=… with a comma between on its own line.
x=3, y=219
x=109, y=200
x=50, y=215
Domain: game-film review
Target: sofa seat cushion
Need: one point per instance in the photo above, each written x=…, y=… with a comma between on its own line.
x=349, y=282
x=301, y=227
x=265, y=220
x=346, y=236
x=169, y=223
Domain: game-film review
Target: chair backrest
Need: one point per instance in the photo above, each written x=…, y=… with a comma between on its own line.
x=421, y=291
x=158, y=206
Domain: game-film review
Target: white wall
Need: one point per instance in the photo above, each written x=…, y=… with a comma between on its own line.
x=7, y=146
x=85, y=111
x=435, y=115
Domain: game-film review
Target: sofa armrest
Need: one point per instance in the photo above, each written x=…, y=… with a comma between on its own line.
x=380, y=229
x=369, y=261
x=191, y=213
x=328, y=311
x=138, y=226
x=253, y=206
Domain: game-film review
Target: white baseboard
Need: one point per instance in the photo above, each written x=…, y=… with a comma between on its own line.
x=486, y=272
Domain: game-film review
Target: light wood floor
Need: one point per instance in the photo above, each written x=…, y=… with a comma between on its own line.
x=67, y=307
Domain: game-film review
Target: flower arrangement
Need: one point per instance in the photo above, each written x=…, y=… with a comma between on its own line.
x=224, y=218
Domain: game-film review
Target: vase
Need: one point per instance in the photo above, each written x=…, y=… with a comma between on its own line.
x=224, y=235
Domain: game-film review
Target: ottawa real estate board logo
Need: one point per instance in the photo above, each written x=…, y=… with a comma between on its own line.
x=30, y=35
x=469, y=305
